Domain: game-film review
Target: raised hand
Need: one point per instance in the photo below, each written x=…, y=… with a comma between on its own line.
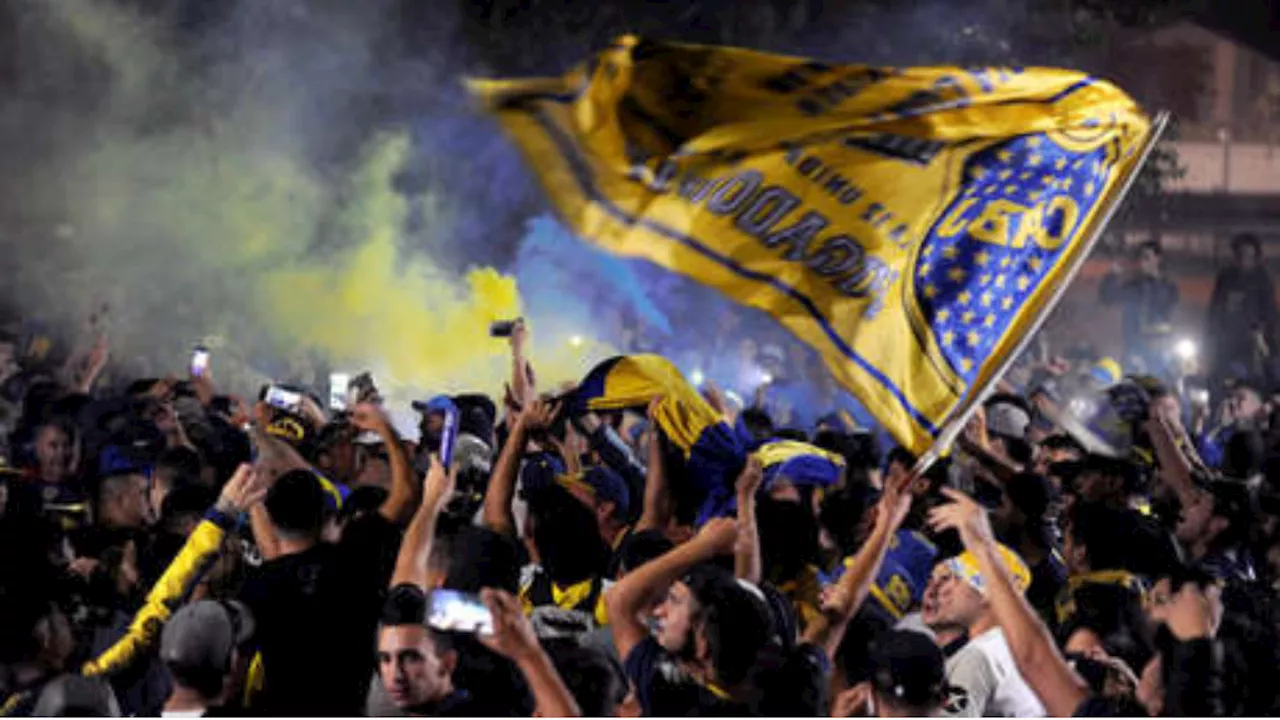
x=719, y=535
x=513, y=635
x=1193, y=613
x=854, y=702
x=895, y=501
x=539, y=415
x=246, y=488
x=369, y=417
x=749, y=481
x=964, y=516
x=439, y=485
x=519, y=337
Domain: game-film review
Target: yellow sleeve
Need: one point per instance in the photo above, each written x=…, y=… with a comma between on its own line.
x=166, y=595
x=602, y=611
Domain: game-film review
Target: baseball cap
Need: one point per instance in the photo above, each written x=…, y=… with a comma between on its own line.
x=965, y=567
x=437, y=404
x=606, y=486
x=909, y=666
x=201, y=636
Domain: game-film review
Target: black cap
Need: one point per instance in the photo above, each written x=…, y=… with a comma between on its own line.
x=909, y=667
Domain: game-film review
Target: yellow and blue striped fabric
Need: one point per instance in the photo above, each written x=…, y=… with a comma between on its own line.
x=909, y=224
x=801, y=463
x=712, y=451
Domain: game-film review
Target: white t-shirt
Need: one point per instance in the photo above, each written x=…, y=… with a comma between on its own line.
x=985, y=681
x=182, y=713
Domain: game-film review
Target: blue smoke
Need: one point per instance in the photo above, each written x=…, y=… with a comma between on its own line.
x=562, y=277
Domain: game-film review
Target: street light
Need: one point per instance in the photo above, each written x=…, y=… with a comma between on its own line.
x=1185, y=349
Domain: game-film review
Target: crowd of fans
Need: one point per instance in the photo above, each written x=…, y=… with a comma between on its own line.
x=166, y=549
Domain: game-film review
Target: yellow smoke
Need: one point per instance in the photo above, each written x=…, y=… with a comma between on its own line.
x=211, y=228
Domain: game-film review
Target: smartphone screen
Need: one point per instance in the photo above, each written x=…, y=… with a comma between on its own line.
x=453, y=611
x=281, y=399
x=338, y=390
x=199, y=362
x=448, y=436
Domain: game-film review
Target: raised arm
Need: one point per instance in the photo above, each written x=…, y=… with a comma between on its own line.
x=497, y=513
x=404, y=495
x=1175, y=469
x=415, y=548
x=843, y=601
x=657, y=498
x=244, y=490
x=647, y=584
x=747, y=562
x=1037, y=657
x=513, y=638
x=522, y=385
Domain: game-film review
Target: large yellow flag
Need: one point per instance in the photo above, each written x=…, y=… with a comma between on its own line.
x=909, y=224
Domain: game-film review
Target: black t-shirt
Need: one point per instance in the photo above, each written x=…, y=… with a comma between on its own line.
x=1048, y=577
x=315, y=615
x=665, y=690
x=502, y=690
x=458, y=704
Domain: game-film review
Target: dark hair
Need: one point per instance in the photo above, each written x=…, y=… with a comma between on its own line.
x=182, y=462
x=902, y=456
x=295, y=503
x=791, y=434
x=842, y=511
x=1010, y=399
x=641, y=547
x=735, y=623
x=187, y=500
x=1062, y=441
x=567, y=536
x=363, y=499
x=860, y=450
x=1018, y=449
x=1151, y=245
x=1105, y=532
x=757, y=422
x=788, y=538
x=590, y=677
x=480, y=558
x=405, y=604
x=1232, y=501
x=1242, y=240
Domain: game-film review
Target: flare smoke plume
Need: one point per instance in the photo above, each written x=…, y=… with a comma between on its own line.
x=223, y=188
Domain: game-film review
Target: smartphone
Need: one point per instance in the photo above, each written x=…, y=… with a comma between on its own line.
x=448, y=436
x=338, y=383
x=199, y=361
x=503, y=328
x=454, y=611
x=282, y=399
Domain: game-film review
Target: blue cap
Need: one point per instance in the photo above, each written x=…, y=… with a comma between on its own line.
x=540, y=470
x=609, y=486
x=437, y=404
x=118, y=460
